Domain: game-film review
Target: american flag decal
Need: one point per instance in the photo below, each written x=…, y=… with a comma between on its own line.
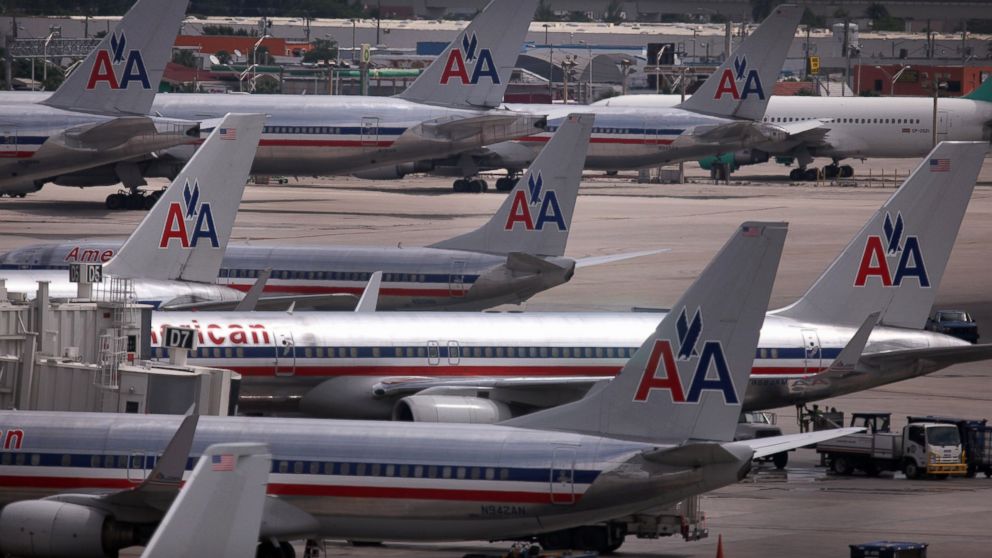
x=940, y=165
x=228, y=133
x=223, y=462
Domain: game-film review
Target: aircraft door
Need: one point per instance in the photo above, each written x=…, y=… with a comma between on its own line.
x=370, y=132
x=563, y=476
x=8, y=142
x=136, y=471
x=813, y=354
x=454, y=353
x=456, y=279
x=433, y=353
x=285, y=360
x=943, y=125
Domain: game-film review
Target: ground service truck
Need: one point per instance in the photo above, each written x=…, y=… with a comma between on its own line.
x=920, y=449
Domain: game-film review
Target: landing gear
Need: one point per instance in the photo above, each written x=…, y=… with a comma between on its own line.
x=604, y=539
x=14, y=195
x=720, y=172
x=473, y=185
x=838, y=171
x=133, y=200
x=780, y=460
x=506, y=184
x=803, y=174
x=272, y=549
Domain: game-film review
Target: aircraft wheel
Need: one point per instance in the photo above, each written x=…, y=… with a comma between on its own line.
x=115, y=202
x=810, y=174
x=477, y=186
x=841, y=466
x=134, y=202
x=157, y=194
x=460, y=185
x=780, y=460
x=831, y=171
x=846, y=171
x=266, y=549
x=796, y=174
x=22, y=195
x=149, y=202
x=505, y=184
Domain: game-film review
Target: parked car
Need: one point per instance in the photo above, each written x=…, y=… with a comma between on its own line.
x=956, y=323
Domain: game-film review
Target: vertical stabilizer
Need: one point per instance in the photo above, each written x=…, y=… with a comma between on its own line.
x=688, y=379
x=741, y=87
x=474, y=70
x=536, y=216
x=896, y=261
x=122, y=75
x=981, y=93
x=219, y=510
x=185, y=234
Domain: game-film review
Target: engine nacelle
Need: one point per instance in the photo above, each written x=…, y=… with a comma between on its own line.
x=450, y=408
x=47, y=528
x=394, y=172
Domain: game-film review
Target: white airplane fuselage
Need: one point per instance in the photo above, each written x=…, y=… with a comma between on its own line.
x=283, y=357
x=861, y=127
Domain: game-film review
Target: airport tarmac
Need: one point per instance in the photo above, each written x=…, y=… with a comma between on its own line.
x=801, y=512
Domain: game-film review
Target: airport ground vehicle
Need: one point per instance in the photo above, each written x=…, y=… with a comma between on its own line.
x=976, y=439
x=920, y=449
x=761, y=424
x=956, y=323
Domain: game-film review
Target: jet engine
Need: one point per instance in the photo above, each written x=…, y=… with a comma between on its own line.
x=394, y=172
x=48, y=528
x=450, y=408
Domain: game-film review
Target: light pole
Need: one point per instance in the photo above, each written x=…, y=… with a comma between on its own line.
x=937, y=86
x=892, y=78
x=551, y=62
x=657, y=70
x=254, y=58
x=354, y=22
x=55, y=31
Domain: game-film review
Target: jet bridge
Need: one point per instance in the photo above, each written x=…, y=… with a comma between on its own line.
x=90, y=354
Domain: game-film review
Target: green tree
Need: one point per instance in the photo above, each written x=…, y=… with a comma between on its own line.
x=185, y=57
x=323, y=49
x=614, y=12
x=544, y=12
x=813, y=20
x=760, y=9
x=223, y=56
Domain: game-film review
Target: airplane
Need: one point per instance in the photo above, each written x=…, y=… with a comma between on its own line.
x=173, y=256
x=451, y=107
x=99, y=116
x=851, y=128
x=218, y=512
x=658, y=433
x=516, y=254
x=433, y=366
x=725, y=114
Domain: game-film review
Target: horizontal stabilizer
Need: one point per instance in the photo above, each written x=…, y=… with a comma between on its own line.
x=523, y=262
x=934, y=358
x=691, y=455
x=250, y=301
x=794, y=128
x=763, y=447
x=849, y=356
x=611, y=258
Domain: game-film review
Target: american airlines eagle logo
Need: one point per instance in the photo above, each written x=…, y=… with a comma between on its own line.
x=189, y=221
x=535, y=208
x=469, y=63
x=107, y=63
x=739, y=82
x=709, y=366
x=891, y=258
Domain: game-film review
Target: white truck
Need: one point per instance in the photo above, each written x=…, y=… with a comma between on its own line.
x=921, y=449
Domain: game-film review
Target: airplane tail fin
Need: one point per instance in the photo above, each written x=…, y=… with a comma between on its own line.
x=185, y=234
x=896, y=261
x=219, y=510
x=122, y=75
x=474, y=70
x=742, y=85
x=536, y=216
x=981, y=93
x=687, y=381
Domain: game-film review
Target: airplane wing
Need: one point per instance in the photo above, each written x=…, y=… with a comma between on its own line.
x=764, y=447
x=933, y=358
x=610, y=258
x=331, y=301
x=533, y=392
x=796, y=128
x=489, y=128
x=219, y=510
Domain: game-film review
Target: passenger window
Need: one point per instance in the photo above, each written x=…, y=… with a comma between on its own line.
x=297, y=467
x=66, y=460
x=390, y=470
x=404, y=471
x=504, y=474
x=283, y=467
x=345, y=469
x=360, y=469
x=432, y=472
x=418, y=471
x=490, y=473
x=446, y=473
x=376, y=470
x=461, y=472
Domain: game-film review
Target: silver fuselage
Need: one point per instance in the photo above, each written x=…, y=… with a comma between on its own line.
x=282, y=356
x=373, y=481
x=413, y=278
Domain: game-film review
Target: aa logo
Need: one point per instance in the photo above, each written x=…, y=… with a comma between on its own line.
x=709, y=366
x=535, y=208
x=105, y=69
x=740, y=82
x=892, y=259
x=469, y=57
x=190, y=221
